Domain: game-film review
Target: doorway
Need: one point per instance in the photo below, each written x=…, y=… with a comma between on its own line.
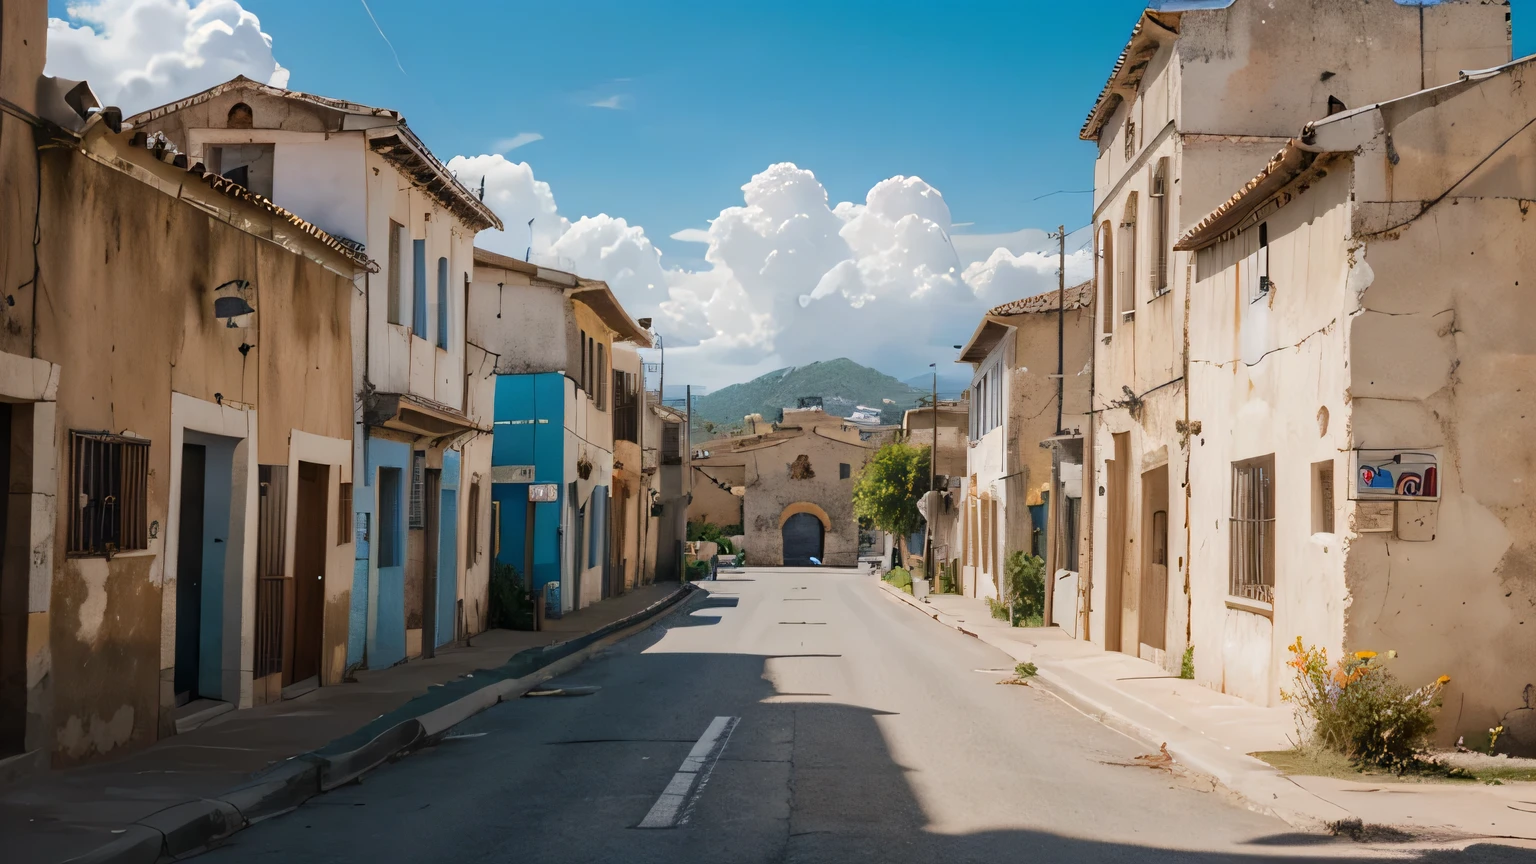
x=306, y=614
x=1154, y=563
x=189, y=573
x=1116, y=482
x=803, y=540
x=432, y=525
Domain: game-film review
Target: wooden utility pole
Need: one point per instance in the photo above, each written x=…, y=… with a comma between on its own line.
x=1061, y=325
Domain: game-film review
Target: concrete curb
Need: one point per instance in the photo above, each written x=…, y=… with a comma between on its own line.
x=1258, y=786
x=199, y=824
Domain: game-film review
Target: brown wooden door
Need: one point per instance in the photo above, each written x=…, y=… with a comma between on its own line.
x=308, y=611
x=1118, y=492
x=1154, y=560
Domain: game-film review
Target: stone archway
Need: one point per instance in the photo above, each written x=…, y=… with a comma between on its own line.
x=803, y=528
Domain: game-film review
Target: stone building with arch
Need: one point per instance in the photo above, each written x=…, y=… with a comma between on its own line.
x=797, y=477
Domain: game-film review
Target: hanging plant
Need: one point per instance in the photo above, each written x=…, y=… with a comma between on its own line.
x=584, y=467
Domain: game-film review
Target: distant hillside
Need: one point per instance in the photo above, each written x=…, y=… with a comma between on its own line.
x=842, y=385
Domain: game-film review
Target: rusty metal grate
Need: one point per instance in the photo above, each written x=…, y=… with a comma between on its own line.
x=1253, y=530
x=109, y=476
x=271, y=562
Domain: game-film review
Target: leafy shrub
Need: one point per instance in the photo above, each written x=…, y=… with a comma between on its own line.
x=1026, y=587
x=511, y=606
x=1026, y=670
x=1187, y=667
x=698, y=570
x=1356, y=707
x=712, y=533
x=900, y=578
x=999, y=610
x=948, y=584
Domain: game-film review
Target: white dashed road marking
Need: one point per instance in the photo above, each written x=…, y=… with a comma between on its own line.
x=688, y=780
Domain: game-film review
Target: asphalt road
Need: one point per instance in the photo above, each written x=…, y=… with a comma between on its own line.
x=791, y=715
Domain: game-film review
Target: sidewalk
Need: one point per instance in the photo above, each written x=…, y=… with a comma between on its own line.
x=1212, y=733
x=242, y=766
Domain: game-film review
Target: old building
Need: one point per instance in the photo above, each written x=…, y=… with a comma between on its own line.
x=1196, y=104
x=674, y=484
x=153, y=394
x=798, y=488
x=1379, y=258
x=948, y=426
x=562, y=431
x=1017, y=401
x=363, y=175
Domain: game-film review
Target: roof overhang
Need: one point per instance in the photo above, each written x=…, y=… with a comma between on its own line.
x=987, y=336
x=1286, y=166
x=598, y=297
x=1153, y=28
x=414, y=415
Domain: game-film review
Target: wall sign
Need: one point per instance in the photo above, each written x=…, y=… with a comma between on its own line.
x=512, y=474
x=544, y=492
x=1396, y=475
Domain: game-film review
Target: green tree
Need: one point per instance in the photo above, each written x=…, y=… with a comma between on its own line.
x=888, y=489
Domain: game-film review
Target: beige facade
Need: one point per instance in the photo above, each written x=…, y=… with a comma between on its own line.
x=806, y=467
x=1379, y=259
x=1014, y=407
x=1197, y=103
x=919, y=429
x=212, y=328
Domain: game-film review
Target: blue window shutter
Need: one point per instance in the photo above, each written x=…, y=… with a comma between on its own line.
x=419, y=295
x=442, y=303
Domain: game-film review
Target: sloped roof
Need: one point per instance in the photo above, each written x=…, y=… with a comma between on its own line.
x=1077, y=297
x=387, y=134
x=1131, y=63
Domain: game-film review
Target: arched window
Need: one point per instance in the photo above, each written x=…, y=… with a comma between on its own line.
x=1107, y=277
x=1127, y=273
x=240, y=117
x=1160, y=240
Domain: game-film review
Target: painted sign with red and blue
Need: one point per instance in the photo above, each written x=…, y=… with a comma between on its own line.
x=1396, y=475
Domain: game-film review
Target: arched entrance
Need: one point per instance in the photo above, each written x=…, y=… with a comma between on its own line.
x=803, y=539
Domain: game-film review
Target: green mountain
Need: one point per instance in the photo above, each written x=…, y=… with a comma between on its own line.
x=842, y=384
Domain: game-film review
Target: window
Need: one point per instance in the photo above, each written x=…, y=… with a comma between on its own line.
x=1071, y=528
x=419, y=292
x=1263, y=262
x=844, y=471
x=240, y=117
x=1130, y=140
x=388, y=536
x=1322, y=497
x=109, y=479
x=1159, y=255
x=473, y=539
x=396, y=270
x=626, y=407
x=1160, y=538
x=419, y=489
x=1107, y=277
x=496, y=531
x=591, y=367
x=602, y=379
x=1253, y=529
x=249, y=165
x=442, y=303
x=1126, y=279
x=581, y=346
x=671, y=445
x=344, y=515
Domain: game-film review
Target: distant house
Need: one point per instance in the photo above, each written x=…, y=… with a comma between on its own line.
x=797, y=480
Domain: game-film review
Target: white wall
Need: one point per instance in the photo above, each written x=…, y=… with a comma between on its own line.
x=321, y=179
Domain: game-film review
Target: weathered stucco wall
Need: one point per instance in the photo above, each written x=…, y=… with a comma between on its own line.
x=1268, y=377
x=130, y=326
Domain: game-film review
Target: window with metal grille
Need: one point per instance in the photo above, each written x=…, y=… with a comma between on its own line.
x=109, y=477
x=344, y=515
x=1160, y=228
x=1253, y=529
x=419, y=490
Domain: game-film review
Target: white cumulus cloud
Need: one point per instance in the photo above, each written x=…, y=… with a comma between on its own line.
x=141, y=53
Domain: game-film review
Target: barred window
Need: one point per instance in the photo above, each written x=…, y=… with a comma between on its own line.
x=109, y=482
x=1253, y=529
x=418, y=490
x=344, y=515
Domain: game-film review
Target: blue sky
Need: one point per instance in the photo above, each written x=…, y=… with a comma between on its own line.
x=983, y=100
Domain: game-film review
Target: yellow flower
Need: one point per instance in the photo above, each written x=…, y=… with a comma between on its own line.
x=1443, y=680
x=1364, y=655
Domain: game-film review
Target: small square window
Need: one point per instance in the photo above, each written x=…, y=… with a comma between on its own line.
x=844, y=471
